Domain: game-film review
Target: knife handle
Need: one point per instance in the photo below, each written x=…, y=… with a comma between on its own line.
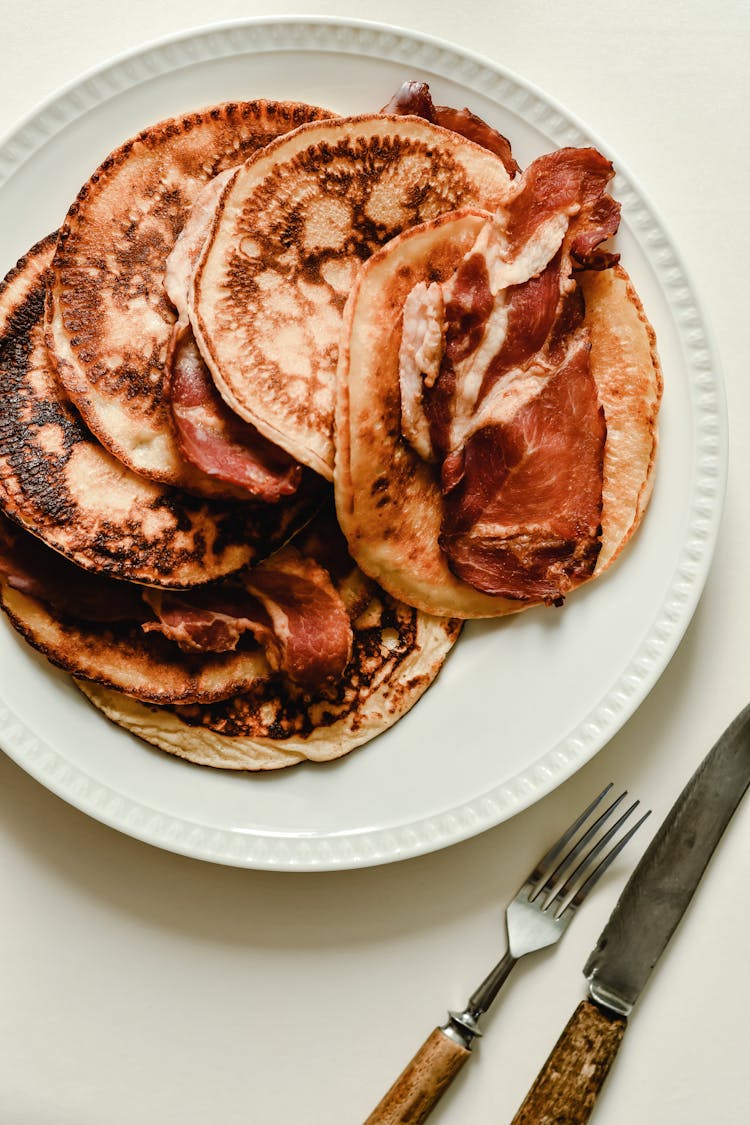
x=569, y=1082
x=420, y=1086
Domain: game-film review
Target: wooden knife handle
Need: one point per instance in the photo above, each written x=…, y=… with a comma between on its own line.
x=570, y=1080
x=419, y=1088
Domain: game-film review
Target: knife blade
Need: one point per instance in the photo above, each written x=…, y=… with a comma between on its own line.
x=639, y=928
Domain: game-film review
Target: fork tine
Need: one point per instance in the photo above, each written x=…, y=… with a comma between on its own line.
x=555, y=878
x=541, y=871
x=559, y=886
x=598, y=871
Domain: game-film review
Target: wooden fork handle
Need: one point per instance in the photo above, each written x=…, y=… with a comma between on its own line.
x=419, y=1087
x=569, y=1083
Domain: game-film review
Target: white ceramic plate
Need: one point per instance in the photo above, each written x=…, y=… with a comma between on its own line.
x=521, y=704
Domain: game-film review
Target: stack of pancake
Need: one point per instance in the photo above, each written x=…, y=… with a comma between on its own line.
x=209, y=354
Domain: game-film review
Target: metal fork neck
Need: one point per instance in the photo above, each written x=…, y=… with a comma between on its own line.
x=463, y=1027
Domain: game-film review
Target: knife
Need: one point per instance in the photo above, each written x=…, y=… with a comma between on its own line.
x=642, y=922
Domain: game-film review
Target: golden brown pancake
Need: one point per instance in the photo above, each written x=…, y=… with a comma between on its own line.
x=110, y=319
x=291, y=230
x=397, y=654
x=62, y=485
x=629, y=382
x=388, y=500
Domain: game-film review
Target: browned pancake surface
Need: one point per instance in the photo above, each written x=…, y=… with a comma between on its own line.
x=629, y=382
x=292, y=229
x=61, y=484
x=397, y=653
x=386, y=635
x=110, y=319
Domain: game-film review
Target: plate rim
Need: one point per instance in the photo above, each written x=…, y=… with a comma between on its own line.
x=261, y=849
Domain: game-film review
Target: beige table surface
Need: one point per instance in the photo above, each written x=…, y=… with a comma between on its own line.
x=141, y=986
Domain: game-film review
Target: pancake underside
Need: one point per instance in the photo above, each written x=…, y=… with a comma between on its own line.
x=388, y=500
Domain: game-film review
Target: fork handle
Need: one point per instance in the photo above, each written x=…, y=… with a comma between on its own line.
x=568, y=1084
x=420, y=1086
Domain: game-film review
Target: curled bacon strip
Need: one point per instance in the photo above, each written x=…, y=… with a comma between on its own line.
x=415, y=98
x=312, y=634
x=513, y=413
x=572, y=181
x=206, y=620
x=522, y=520
x=214, y=439
x=289, y=606
x=210, y=435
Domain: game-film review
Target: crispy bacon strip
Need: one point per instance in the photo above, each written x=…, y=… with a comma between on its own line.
x=216, y=440
x=312, y=634
x=415, y=98
x=290, y=607
x=467, y=309
x=206, y=620
x=210, y=435
x=570, y=181
x=513, y=414
x=522, y=521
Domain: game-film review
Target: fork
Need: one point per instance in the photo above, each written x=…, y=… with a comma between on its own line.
x=537, y=917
